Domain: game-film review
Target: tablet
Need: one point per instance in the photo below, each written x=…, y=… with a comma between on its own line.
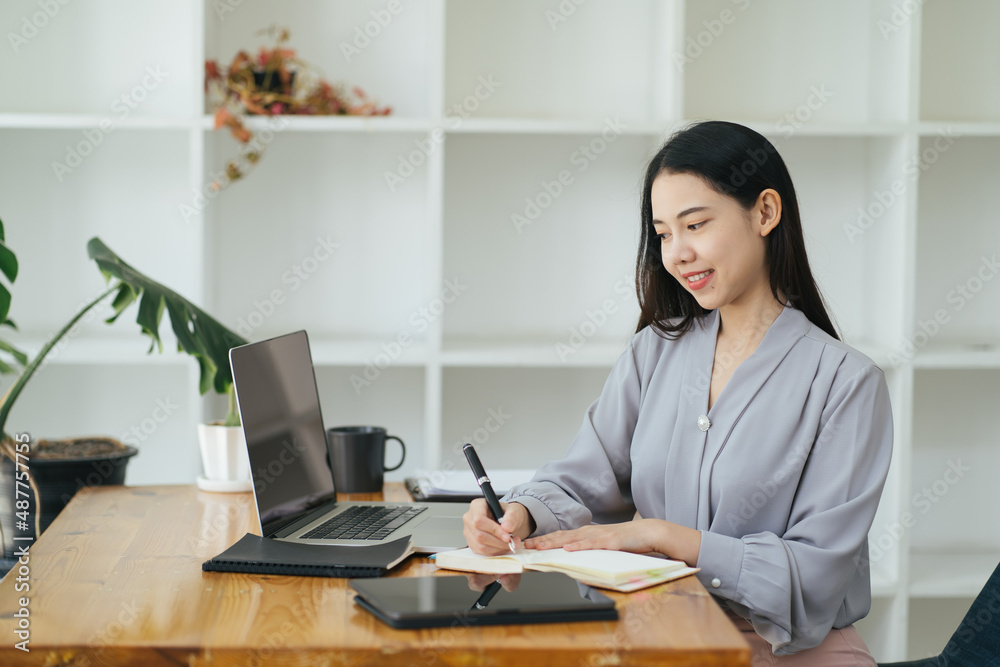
x=453, y=600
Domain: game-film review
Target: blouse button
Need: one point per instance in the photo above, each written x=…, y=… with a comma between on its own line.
x=704, y=423
x=716, y=583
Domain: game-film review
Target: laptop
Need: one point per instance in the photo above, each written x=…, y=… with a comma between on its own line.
x=292, y=480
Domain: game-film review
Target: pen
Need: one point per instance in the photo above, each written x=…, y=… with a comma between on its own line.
x=487, y=488
x=488, y=593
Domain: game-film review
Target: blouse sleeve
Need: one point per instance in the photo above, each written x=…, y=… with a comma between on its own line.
x=592, y=482
x=793, y=585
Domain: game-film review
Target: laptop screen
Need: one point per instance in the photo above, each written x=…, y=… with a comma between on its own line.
x=283, y=425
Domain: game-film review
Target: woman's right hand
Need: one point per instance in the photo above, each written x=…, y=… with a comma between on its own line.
x=489, y=538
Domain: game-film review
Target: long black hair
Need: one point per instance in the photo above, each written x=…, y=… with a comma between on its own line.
x=737, y=162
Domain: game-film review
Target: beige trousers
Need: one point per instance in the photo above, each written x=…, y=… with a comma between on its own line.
x=843, y=647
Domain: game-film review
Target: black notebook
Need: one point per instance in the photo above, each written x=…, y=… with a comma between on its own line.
x=263, y=555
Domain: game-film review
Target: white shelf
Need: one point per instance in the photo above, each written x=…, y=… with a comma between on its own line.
x=389, y=123
x=596, y=126
x=950, y=575
x=779, y=130
x=555, y=353
x=548, y=126
x=256, y=254
x=531, y=354
x=929, y=128
x=452, y=124
x=69, y=121
x=969, y=356
x=327, y=352
x=108, y=350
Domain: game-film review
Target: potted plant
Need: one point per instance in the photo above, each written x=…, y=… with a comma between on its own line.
x=223, y=452
x=197, y=334
x=223, y=449
x=275, y=82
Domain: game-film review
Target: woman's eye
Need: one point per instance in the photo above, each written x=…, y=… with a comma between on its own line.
x=663, y=236
x=696, y=225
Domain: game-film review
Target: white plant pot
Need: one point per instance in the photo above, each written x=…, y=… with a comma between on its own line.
x=224, y=459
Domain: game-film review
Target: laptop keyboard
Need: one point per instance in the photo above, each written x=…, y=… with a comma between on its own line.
x=364, y=522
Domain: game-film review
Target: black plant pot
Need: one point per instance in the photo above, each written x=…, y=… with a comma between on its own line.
x=274, y=82
x=58, y=480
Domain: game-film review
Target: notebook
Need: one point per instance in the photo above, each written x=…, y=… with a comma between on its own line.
x=617, y=570
x=461, y=486
x=293, y=485
x=261, y=555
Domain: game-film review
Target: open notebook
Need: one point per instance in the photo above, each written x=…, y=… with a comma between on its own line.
x=461, y=486
x=617, y=570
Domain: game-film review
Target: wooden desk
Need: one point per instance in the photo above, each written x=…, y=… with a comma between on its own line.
x=117, y=579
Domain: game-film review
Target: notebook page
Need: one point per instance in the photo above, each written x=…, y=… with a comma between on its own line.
x=468, y=561
x=463, y=482
x=601, y=563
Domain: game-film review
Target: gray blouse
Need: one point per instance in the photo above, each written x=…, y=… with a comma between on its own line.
x=782, y=476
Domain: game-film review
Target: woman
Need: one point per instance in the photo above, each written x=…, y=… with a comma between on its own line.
x=752, y=443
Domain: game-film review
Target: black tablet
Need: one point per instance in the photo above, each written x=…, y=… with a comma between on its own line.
x=456, y=600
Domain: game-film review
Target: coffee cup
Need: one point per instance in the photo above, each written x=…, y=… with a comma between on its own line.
x=357, y=457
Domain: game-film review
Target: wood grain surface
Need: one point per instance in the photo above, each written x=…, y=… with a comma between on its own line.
x=117, y=579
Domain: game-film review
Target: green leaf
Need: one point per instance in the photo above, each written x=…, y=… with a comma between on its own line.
x=4, y=302
x=197, y=332
x=8, y=266
x=8, y=262
x=207, y=376
x=150, y=314
x=123, y=300
x=21, y=357
x=232, y=419
x=180, y=320
x=233, y=415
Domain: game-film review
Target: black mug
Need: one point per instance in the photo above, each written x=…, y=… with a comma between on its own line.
x=357, y=457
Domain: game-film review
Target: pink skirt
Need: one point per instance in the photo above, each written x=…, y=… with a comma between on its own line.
x=842, y=647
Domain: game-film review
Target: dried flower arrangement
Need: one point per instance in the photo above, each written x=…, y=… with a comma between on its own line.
x=276, y=82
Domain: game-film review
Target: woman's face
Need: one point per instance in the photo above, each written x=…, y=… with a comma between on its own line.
x=709, y=244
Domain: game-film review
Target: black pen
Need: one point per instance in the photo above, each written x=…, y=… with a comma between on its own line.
x=484, y=483
x=488, y=593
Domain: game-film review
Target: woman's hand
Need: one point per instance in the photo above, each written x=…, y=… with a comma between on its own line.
x=639, y=536
x=489, y=538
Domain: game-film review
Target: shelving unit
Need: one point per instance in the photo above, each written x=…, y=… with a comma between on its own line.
x=443, y=270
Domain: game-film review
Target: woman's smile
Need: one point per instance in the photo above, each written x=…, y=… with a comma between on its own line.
x=696, y=281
